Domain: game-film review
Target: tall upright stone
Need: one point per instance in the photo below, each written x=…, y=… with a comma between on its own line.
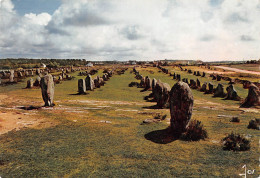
x=211, y=87
x=148, y=83
x=198, y=83
x=81, y=86
x=181, y=104
x=11, y=78
x=154, y=81
x=89, y=83
x=47, y=87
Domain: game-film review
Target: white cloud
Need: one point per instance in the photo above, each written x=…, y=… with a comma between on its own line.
x=133, y=29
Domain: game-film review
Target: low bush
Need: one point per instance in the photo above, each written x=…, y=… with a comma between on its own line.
x=195, y=131
x=236, y=143
x=254, y=124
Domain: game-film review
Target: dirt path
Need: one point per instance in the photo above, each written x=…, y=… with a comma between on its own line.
x=238, y=70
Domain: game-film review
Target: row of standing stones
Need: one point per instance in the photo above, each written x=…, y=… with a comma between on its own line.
x=179, y=99
x=90, y=84
x=252, y=99
x=15, y=76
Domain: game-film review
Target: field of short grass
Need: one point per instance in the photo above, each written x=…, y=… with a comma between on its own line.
x=100, y=134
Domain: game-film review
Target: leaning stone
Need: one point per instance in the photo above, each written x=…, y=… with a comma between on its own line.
x=181, y=104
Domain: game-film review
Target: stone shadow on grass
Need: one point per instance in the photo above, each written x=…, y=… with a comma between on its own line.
x=79, y=94
x=164, y=136
x=28, y=108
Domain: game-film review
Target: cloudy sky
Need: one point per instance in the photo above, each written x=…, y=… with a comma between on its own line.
x=130, y=29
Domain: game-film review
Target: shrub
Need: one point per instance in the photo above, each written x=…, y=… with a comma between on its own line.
x=254, y=124
x=235, y=119
x=236, y=143
x=195, y=131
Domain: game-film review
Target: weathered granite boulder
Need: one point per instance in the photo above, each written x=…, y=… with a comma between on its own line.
x=47, y=87
x=161, y=94
x=253, y=97
x=181, y=104
x=219, y=91
x=232, y=93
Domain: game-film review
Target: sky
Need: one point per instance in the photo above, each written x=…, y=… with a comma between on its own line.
x=208, y=30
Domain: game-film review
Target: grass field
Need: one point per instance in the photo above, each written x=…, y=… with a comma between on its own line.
x=100, y=134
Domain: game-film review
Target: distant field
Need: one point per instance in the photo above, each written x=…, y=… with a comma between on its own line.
x=100, y=134
x=251, y=67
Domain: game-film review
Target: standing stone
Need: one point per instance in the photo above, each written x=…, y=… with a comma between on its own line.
x=204, y=87
x=0, y=81
x=154, y=81
x=11, y=78
x=211, y=87
x=47, y=87
x=37, y=81
x=198, y=73
x=60, y=78
x=174, y=76
x=181, y=104
x=89, y=83
x=29, y=83
x=219, y=92
x=232, y=93
x=214, y=77
x=198, y=83
x=178, y=77
x=81, y=86
x=148, y=83
x=194, y=73
x=253, y=97
x=20, y=74
x=26, y=73
x=203, y=74
x=161, y=94
x=38, y=71
x=218, y=78
x=193, y=84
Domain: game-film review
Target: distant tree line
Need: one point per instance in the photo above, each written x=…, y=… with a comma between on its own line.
x=11, y=63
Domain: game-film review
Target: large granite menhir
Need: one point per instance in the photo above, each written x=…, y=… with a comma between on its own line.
x=181, y=104
x=47, y=87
